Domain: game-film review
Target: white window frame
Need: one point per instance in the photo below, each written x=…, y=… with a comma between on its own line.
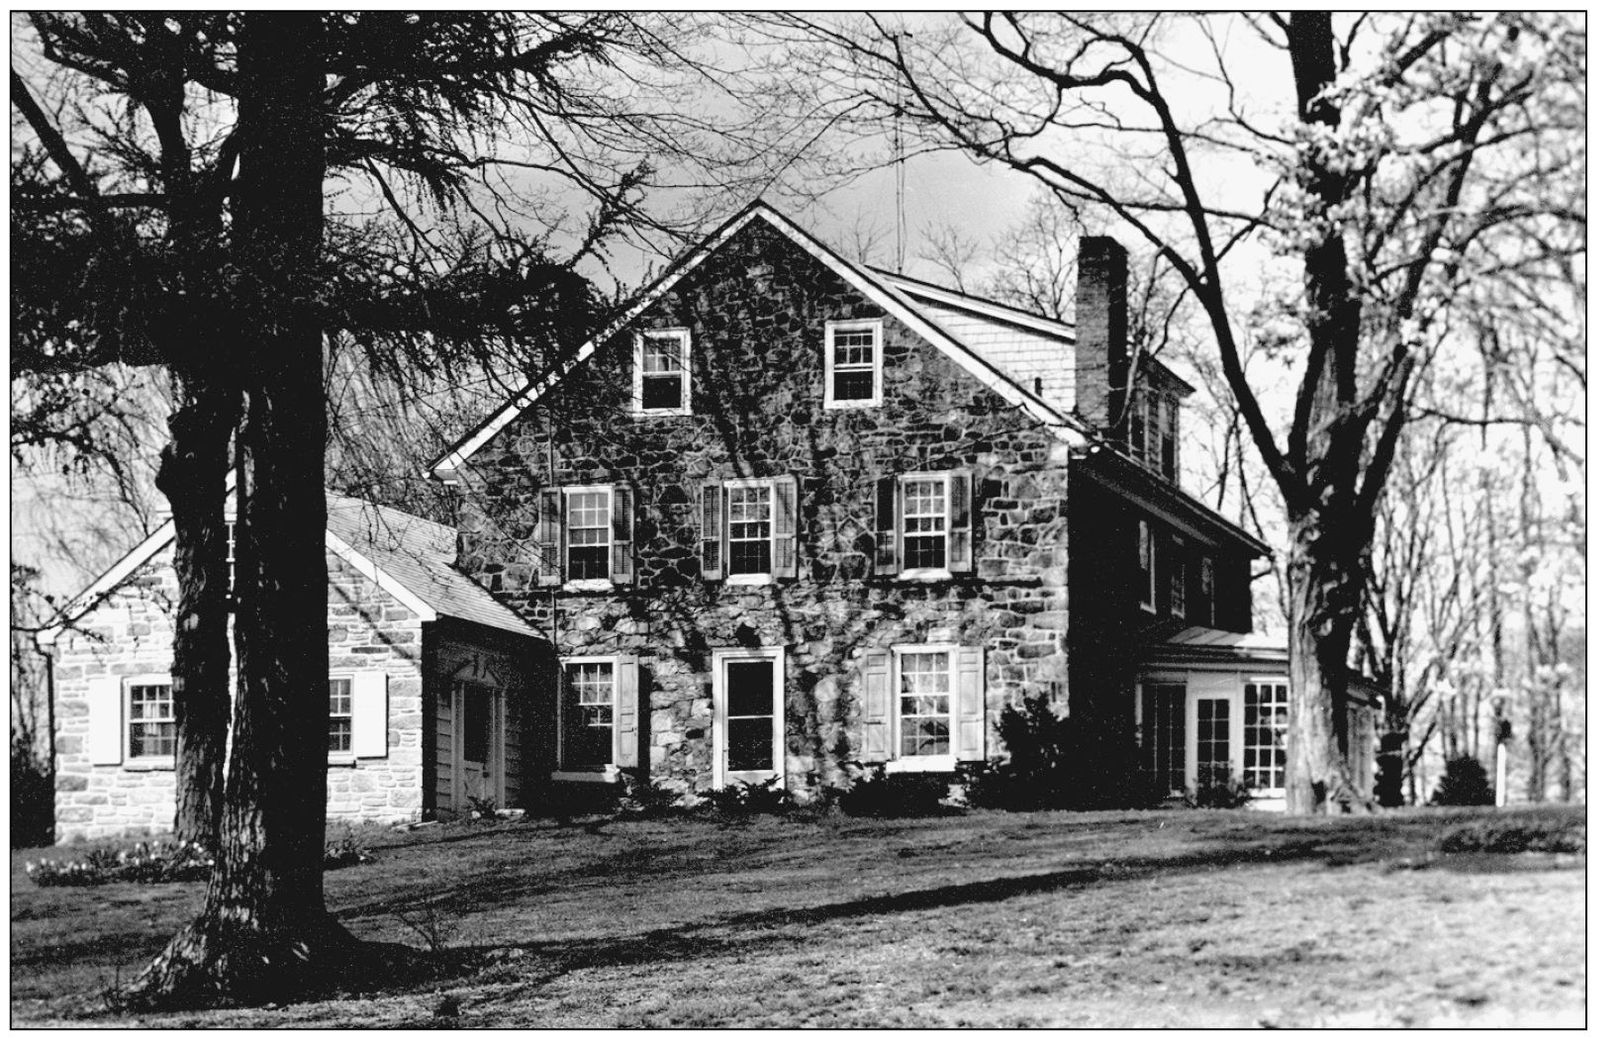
x=921, y=572
x=1222, y=685
x=145, y=762
x=875, y=326
x=930, y=762
x=610, y=771
x=1280, y=680
x=594, y=583
x=777, y=655
x=1150, y=604
x=684, y=336
x=332, y=756
x=726, y=487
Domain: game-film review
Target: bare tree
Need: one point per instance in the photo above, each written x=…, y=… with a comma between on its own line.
x=1407, y=159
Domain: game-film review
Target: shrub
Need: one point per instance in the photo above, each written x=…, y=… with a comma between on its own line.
x=1465, y=784
x=1042, y=768
x=1218, y=788
x=746, y=799
x=880, y=795
x=1508, y=834
x=646, y=799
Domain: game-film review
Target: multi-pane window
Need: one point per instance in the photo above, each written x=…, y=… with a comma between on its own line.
x=1164, y=735
x=661, y=371
x=924, y=521
x=1214, y=741
x=340, y=715
x=587, y=529
x=854, y=363
x=925, y=703
x=1178, y=584
x=151, y=720
x=1153, y=427
x=587, y=714
x=1265, y=733
x=748, y=529
x=1146, y=563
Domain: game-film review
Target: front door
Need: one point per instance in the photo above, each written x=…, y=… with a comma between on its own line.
x=747, y=716
x=479, y=738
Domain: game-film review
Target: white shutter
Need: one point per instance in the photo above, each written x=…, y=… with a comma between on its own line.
x=627, y=712
x=106, y=702
x=370, y=706
x=970, y=703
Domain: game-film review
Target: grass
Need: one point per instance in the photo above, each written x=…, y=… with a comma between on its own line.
x=988, y=919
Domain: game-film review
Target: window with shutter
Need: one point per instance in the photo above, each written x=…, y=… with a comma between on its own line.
x=932, y=520
x=586, y=713
x=748, y=529
x=937, y=706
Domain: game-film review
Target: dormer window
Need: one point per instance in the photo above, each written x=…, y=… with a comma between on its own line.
x=663, y=373
x=854, y=364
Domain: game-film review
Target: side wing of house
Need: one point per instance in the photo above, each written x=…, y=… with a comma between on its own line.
x=773, y=528
x=115, y=737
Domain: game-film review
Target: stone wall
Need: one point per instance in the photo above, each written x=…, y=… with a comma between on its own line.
x=368, y=629
x=756, y=311
x=131, y=634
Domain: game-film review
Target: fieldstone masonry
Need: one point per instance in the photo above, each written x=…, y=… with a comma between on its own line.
x=131, y=634
x=756, y=311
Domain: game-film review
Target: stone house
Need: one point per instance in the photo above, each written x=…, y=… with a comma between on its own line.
x=788, y=517
x=409, y=638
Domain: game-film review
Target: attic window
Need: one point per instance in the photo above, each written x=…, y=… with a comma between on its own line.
x=663, y=373
x=854, y=364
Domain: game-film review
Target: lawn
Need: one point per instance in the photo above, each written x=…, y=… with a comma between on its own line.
x=984, y=919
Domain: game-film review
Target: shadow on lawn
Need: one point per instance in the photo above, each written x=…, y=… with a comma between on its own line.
x=707, y=938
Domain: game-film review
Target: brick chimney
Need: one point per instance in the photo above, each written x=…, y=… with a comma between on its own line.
x=1101, y=361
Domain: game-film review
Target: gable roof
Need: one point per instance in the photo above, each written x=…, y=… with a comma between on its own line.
x=907, y=300
x=411, y=558
x=896, y=303
x=1024, y=343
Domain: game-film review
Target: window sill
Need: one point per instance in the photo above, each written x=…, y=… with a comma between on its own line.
x=1147, y=607
x=915, y=764
x=150, y=764
x=342, y=760
x=608, y=773
x=852, y=405
x=597, y=584
x=925, y=576
x=668, y=412
x=748, y=579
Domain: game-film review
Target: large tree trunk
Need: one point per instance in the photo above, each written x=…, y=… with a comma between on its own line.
x=1324, y=596
x=264, y=932
x=192, y=476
